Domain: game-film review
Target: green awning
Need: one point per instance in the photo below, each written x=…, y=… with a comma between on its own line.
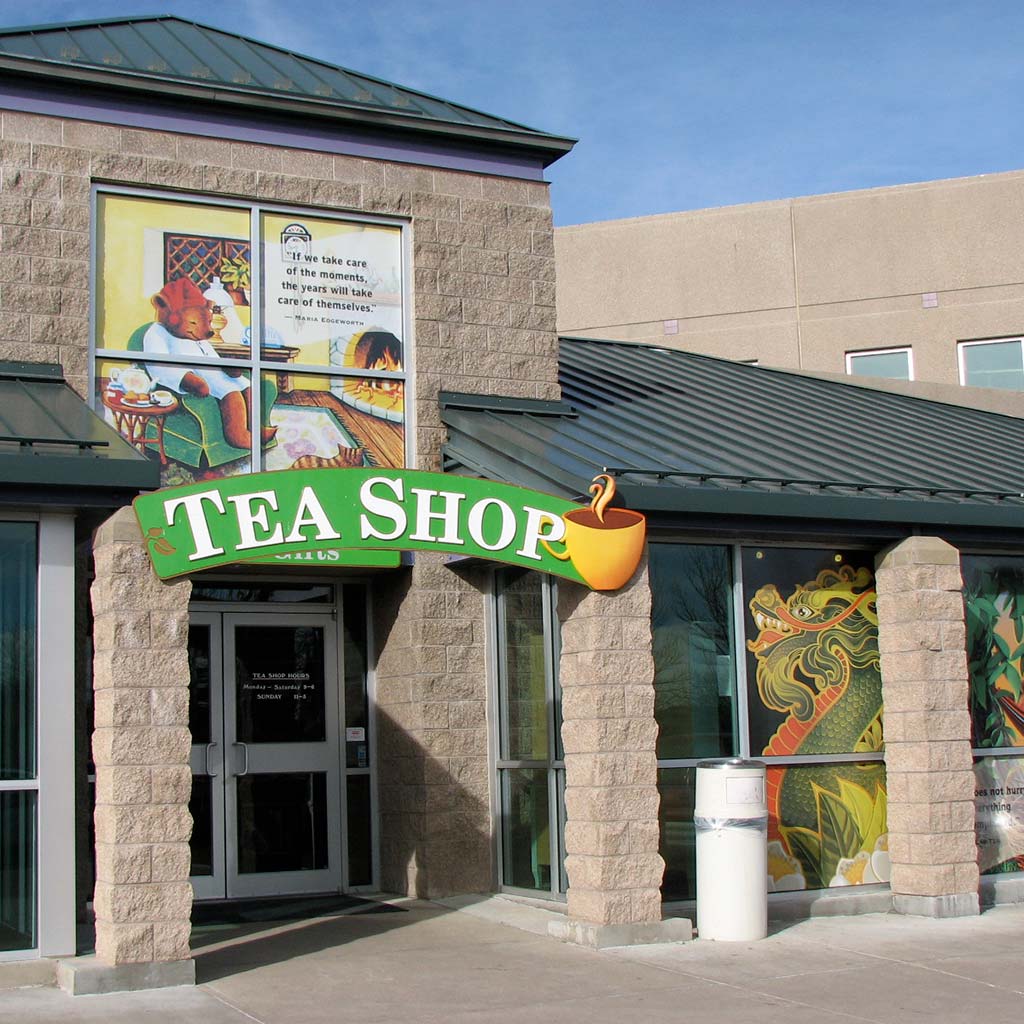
x=53, y=447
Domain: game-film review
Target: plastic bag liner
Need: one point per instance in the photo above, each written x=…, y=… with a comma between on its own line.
x=759, y=824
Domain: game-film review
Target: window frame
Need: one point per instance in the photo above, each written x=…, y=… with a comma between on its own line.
x=962, y=346
x=257, y=366
x=736, y=548
x=554, y=764
x=740, y=638
x=890, y=350
x=53, y=783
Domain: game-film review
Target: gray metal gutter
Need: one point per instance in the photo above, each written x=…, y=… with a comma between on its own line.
x=549, y=147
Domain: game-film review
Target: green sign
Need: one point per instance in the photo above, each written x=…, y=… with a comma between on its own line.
x=351, y=516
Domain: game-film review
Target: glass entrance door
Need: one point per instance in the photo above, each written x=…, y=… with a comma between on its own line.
x=265, y=715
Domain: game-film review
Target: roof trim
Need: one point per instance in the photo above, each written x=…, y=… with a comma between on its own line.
x=503, y=403
x=502, y=131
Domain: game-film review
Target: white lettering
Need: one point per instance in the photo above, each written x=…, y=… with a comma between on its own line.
x=382, y=507
x=449, y=517
x=249, y=519
x=535, y=521
x=311, y=513
x=476, y=524
x=193, y=505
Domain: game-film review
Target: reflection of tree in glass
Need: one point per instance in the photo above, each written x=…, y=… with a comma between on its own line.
x=692, y=642
x=994, y=602
x=524, y=664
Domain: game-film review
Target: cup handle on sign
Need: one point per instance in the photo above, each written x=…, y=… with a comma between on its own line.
x=561, y=556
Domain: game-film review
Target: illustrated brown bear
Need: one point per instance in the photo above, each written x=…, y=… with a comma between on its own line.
x=183, y=328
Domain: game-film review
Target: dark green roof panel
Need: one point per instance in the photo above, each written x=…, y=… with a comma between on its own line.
x=163, y=48
x=49, y=438
x=685, y=432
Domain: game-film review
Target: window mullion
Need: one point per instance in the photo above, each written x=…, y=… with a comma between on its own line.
x=740, y=660
x=256, y=334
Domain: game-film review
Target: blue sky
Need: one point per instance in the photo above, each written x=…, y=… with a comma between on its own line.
x=680, y=105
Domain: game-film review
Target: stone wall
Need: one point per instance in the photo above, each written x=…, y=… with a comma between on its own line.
x=141, y=742
x=929, y=767
x=432, y=731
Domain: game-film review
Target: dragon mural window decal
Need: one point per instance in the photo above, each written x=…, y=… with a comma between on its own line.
x=806, y=634
x=815, y=688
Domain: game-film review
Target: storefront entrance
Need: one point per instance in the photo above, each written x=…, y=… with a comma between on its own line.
x=267, y=715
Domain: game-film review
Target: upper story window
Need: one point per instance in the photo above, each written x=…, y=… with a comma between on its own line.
x=895, y=363
x=992, y=364
x=234, y=337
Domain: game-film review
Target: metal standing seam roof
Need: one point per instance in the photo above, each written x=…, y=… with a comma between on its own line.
x=166, y=53
x=690, y=433
x=50, y=438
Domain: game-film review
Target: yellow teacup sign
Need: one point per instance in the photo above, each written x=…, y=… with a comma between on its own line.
x=604, y=544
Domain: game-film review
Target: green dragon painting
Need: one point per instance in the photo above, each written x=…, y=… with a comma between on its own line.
x=817, y=663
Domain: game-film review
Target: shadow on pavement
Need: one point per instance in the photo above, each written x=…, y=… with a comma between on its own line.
x=234, y=946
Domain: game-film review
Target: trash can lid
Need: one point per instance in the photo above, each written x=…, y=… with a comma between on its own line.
x=730, y=762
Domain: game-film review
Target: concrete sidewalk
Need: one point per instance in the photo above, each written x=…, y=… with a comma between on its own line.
x=490, y=962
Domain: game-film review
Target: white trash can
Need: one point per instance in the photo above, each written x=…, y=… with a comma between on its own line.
x=730, y=820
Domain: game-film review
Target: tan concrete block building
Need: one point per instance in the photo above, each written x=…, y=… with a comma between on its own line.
x=298, y=598
x=914, y=282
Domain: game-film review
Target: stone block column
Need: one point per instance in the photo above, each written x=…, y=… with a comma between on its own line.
x=143, y=898
x=929, y=767
x=432, y=731
x=611, y=769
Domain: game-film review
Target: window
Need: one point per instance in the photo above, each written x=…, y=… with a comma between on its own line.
x=994, y=604
x=992, y=364
x=18, y=729
x=236, y=337
x=773, y=653
x=37, y=747
x=895, y=363
x=530, y=763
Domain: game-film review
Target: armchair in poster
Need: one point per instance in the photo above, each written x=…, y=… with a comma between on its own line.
x=357, y=515
x=214, y=318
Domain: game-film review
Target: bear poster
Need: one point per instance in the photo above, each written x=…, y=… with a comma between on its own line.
x=203, y=367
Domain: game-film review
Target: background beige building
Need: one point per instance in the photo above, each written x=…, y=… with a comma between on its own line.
x=917, y=282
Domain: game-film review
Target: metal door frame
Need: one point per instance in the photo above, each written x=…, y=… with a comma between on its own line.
x=221, y=759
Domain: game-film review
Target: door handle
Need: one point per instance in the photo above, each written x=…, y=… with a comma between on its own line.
x=245, y=759
x=209, y=770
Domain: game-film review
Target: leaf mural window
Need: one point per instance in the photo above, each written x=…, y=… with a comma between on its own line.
x=994, y=606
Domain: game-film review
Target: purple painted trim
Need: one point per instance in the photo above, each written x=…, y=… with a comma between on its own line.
x=373, y=144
